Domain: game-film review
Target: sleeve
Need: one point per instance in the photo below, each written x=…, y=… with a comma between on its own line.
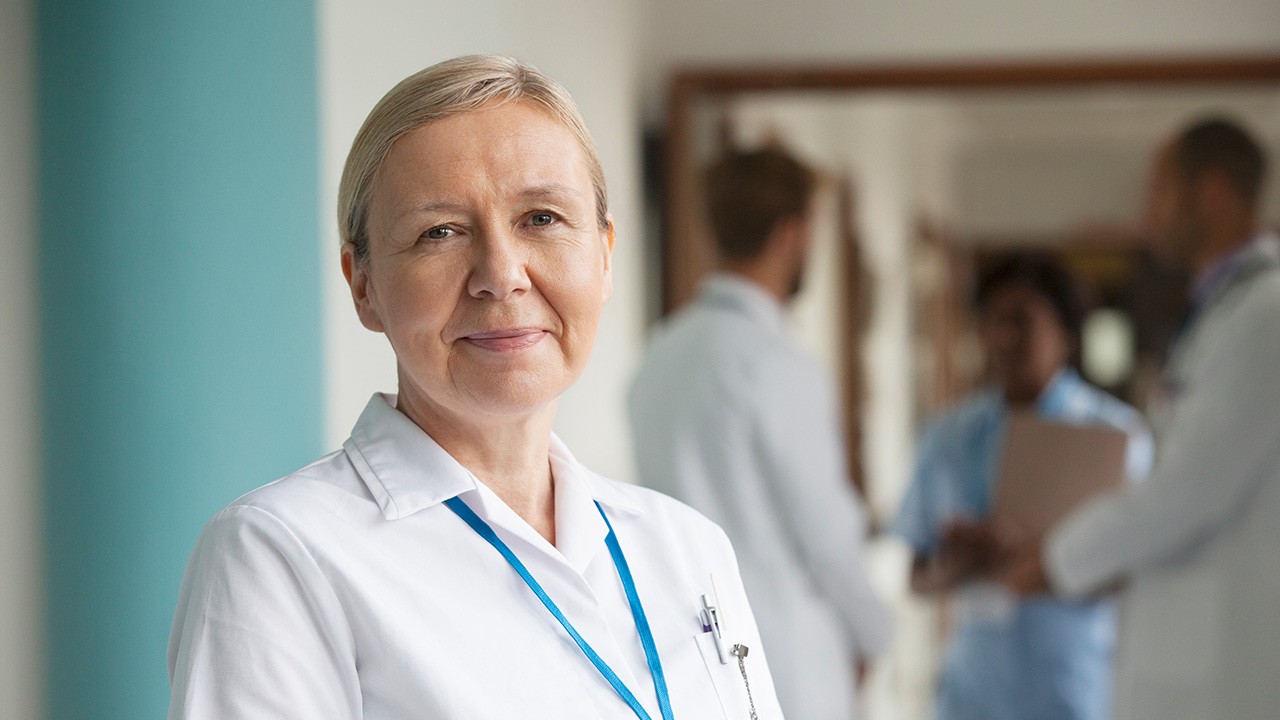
x=1140, y=453
x=801, y=445
x=1140, y=449
x=258, y=632
x=1222, y=443
x=917, y=520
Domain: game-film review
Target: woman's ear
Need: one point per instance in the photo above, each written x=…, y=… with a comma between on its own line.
x=608, y=256
x=357, y=275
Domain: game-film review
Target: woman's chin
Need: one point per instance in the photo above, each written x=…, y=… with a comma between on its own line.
x=511, y=390
x=512, y=395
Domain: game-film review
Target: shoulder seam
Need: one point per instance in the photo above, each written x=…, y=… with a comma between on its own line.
x=310, y=558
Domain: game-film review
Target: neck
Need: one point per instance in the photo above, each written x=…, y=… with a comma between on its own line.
x=1020, y=400
x=764, y=274
x=1026, y=396
x=511, y=456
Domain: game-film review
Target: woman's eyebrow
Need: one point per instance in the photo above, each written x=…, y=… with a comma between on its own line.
x=544, y=191
x=551, y=191
x=445, y=204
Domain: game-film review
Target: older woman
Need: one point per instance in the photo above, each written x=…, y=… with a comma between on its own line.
x=453, y=560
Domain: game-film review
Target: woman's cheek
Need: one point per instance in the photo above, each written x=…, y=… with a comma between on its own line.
x=581, y=273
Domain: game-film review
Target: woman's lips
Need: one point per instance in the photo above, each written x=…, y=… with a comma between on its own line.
x=506, y=340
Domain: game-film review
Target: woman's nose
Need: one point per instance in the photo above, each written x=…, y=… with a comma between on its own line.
x=499, y=267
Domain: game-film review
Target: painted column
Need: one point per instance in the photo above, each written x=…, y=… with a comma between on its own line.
x=180, y=297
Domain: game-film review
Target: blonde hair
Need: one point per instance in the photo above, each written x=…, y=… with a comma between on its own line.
x=449, y=88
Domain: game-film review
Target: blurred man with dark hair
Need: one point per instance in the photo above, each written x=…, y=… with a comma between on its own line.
x=1199, y=543
x=730, y=417
x=1008, y=660
x=756, y=197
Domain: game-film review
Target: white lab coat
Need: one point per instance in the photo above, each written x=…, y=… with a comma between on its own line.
x=1199, y=542
x=348, y=590
x=730, y=417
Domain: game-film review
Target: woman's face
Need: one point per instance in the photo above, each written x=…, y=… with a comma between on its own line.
x=1024, y=340
x=487, y=265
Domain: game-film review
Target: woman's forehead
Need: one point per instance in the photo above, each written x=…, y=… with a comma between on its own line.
x=510, y=151
x=489, y=132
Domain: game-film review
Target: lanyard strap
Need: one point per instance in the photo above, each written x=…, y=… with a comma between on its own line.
x=642, y=621
x=633, y=598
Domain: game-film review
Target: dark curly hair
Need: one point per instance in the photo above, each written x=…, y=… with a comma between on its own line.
x=1045, y=274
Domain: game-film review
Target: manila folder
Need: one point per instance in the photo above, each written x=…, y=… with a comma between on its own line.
x=1050, y=468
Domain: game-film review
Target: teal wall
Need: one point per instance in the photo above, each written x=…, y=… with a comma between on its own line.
x=180, y=293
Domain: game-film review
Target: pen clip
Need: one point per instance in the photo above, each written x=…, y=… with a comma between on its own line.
x=711, y=624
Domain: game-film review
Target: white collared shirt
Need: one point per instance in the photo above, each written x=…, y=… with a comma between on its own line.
x=349, y=590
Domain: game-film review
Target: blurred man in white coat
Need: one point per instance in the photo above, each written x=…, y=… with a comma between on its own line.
x=1198, y=544
x=730, y=417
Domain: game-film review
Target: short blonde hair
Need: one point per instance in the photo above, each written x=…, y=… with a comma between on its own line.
x=449, y=88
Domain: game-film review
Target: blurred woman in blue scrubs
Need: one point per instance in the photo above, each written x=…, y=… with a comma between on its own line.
x=1008, y=659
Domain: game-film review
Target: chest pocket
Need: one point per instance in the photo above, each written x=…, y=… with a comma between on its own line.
x=726, y=678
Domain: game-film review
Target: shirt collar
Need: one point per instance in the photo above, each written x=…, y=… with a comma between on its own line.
x=580, y=531
x=407, y=471
x=1059, y=396
x=738, y=293
x=1214, y=277
x=1056, y=399
x=609, y=493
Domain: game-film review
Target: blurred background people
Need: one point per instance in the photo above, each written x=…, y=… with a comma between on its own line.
x=1198, y=544
x=729, y=416
x=1040, y=658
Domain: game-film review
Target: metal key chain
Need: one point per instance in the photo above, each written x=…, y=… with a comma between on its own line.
x=740, y=652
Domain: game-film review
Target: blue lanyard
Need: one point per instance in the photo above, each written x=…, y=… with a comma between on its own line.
x=633, y=598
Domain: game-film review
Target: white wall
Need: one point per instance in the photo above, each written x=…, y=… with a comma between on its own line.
x=21, y=661
x=366, y=47
x=682, y=32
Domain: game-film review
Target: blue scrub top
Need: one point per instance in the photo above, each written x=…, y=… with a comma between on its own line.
x=1045, y=658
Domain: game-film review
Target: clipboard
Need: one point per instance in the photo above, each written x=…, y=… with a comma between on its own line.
x=1050, y=468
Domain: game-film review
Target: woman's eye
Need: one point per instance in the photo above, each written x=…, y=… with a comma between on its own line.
x=541, y=219
x=438, y=233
